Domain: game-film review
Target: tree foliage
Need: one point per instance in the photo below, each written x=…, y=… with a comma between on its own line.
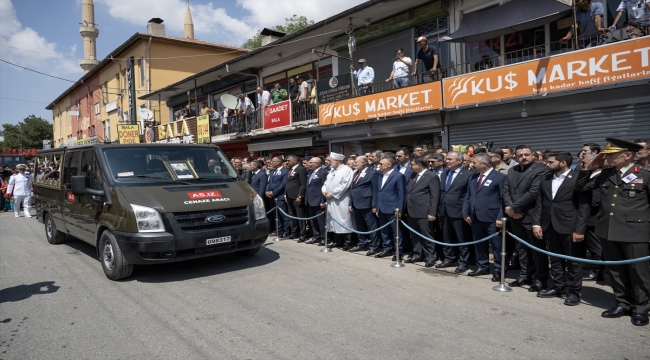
x=29, y=133
x=292, y=24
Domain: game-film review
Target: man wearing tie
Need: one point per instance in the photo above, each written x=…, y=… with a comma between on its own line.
x=560, y=220
x=295, y=193
x=422, y=198
x=389, y=197
x=363, y=198
x=259, y=178
x=275, y=190
x=452, y=197
x=483, y=210
x=314, y=199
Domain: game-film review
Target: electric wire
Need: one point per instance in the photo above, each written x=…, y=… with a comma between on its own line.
x=29, y=101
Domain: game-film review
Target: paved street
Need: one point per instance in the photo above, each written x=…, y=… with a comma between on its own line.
x=288, y=302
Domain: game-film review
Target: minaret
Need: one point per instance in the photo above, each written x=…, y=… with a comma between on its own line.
x=89, y=32
x=189, y=25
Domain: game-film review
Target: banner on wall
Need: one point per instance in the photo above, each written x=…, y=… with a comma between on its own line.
x=203, y=129
x=128, y=134
x=277, y=115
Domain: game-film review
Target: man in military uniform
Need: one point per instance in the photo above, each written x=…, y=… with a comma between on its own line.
x=623, y=225
x=643, y=155
x=21, y=186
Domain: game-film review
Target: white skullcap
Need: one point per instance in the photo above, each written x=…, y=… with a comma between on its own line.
x=335, y=156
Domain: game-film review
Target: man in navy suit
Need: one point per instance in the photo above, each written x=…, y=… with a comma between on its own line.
x=454, y=187
x=403, y=158
x=483, y=210
x=390, y=196
x=363, y=198
x=314, y=199
x=275, y=190
x=259, y=178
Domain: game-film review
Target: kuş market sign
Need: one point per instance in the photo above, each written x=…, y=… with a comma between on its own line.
x=277, y=115
x=621, y=62
x=413, y=99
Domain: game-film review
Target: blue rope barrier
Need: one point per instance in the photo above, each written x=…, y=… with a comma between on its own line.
x=444, y=243
x=362, y=232
x=268, y=212
x=571, y=258
x=297, y=218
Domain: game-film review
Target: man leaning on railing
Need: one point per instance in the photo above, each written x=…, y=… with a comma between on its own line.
x=400, y=72
x=429, y=57
x=365, y=77
x=638, y=17
x=589, y=22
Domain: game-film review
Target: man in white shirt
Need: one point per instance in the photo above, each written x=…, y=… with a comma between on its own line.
x=263, y=99
x=400, y=73
x=21, y=186
x=365, y=77
x=560, y=219
x=246, y=113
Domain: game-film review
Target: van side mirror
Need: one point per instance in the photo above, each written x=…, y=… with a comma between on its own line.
x=79, y=187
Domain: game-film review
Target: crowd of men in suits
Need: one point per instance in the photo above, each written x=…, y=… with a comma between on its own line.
x=600, y=203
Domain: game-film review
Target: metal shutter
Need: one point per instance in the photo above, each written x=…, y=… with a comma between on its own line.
x=562, y=131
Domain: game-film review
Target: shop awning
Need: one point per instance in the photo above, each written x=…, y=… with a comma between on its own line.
x=282, y=144
x=513, y=16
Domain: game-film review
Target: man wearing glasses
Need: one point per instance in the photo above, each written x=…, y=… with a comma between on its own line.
x=497, y=155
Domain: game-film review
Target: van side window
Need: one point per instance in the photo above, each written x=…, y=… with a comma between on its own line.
x=71, y=167
x=91, y=171
x=46, y=171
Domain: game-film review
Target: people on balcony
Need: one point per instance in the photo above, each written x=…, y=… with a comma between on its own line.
x=279, y=94
x=263, y=99
x=638, y=17
x=400, y=72
x=178, y=116
x=189, y=112
x=589, y=22
x=430, y=59
x=246, y=112
x=365, y=77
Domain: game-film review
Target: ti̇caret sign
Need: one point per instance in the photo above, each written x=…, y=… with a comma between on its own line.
x=412, y=99
x=277, y=115
x=621, y=62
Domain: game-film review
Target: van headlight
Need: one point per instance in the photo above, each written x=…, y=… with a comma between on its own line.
x=260, y=212
x=148, y=219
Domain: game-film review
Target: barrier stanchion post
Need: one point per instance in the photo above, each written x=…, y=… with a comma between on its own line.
x=277, y=219
x=502, y=287
x=398, y=262
x=326, y=249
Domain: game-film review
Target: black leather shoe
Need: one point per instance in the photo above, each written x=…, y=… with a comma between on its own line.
x=446, y=264
x=478, y=273
x=332, y=245
x=312, y=241
x=394, y=258
x=571, y=300
x=639, y=319
x=615, y=312
x=550, y=293
x=590, y=277
x=357, y=248
x=412, y=260
x=429, y=264
x=496, y=278
x=293, y=237
x=384, y=254
x=460, y=269
x=301, y=240
x=321, y=244
x=519, y=282
x=372, y=252
x=273, y=234
x=536, y=287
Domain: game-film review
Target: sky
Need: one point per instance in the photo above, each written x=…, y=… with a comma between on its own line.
x=49, y=29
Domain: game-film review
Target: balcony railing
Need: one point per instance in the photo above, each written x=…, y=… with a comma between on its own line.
x=238, y=123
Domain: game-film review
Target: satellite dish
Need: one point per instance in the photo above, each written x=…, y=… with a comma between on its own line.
x=229, y=101
x=145, y=113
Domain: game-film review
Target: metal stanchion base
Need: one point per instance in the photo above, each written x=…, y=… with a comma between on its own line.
x=397, y=264
x=502, y=288
x=277, y=238
x=326, y=249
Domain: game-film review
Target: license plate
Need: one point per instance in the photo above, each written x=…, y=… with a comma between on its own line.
x=218, y=240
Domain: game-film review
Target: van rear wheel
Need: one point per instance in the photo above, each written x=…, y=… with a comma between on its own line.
x=113, y=262
x=51, y=233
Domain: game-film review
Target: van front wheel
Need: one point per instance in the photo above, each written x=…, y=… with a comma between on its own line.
x=113, y=262
x=51, y=233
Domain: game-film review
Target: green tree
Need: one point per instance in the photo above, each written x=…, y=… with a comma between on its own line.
x=292, y=24
x=28, y=134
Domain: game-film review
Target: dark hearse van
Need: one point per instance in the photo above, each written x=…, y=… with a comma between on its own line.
x=148, y=203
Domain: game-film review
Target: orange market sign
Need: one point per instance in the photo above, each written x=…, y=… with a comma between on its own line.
x=601, y=65
x=128, y=134
x=412, y=99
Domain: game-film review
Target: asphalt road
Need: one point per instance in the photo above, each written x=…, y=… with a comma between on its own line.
x=288, y=302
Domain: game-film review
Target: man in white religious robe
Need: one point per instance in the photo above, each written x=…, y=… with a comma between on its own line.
x=336, y=191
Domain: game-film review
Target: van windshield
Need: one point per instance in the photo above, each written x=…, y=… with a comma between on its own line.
x=165, y=164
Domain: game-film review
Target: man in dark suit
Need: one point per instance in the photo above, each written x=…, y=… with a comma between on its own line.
x=258, y=178
x=363, y=198
x=519, y=196
x=560, y=219
x=483, y=210
x=295, y=193
x=591, y=239
x=314, y=199
x=421, y=209
x=623, y=225
x=454, y=187
x=275, y=190
x=403, y=159
x=390, y=196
